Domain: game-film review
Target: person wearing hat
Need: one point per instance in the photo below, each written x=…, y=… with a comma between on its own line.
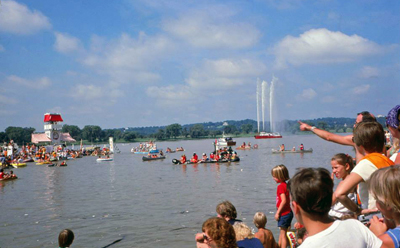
x=392, y=123
x=204, y=158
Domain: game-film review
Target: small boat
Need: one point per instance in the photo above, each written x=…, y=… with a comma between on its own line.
x=150, y=159
x=18, y=165
x=104, y=159
x=170, y=151
x=265, y=135
x=27, y=160
x=243, y=148
x=223, y=142
x=8, y=179
x=44, y=162
x=237, y=159
x=290, y=151
x=50, y=165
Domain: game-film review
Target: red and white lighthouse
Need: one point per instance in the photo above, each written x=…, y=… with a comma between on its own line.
x=52, y=128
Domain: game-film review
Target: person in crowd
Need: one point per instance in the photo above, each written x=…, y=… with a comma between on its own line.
x=12, y=175
x=217, y=233
x=393, y=150
x=342, y=165
x=301, y=235
x=284, y=214
x=183, y=159
x=311, y=192
x=204, y=158
x=194, y=158
x=65, y=238
x=263, y=234
x=2, y=174
x=392, y=123
x=347, y=140
x=245, y=238
x=384, y=185
x=227, y=211
x=369, y=139
x=301, y=147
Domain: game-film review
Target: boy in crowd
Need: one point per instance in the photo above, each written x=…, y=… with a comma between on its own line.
x=311, y=192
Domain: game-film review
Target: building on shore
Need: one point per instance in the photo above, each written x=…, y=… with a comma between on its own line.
x=52, y=131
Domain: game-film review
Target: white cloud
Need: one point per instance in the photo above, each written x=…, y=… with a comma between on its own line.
x=66, y=43
x=39, y=83
x=308, y=94
x=128, y=59
x=225, y=74
x=16, y=18
x=171, y=92
x=88, y=92
x=362, y=89
x=323, y=46
x=328, y=99
x=368, y=72
x=210, y=31
x=7, y=100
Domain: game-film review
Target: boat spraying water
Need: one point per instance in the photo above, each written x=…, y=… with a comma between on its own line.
x=262, y=92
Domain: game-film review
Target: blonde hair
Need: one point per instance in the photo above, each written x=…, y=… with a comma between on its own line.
x=260, y=220
x=384, y=185
x=280, y=172
x=242, y=231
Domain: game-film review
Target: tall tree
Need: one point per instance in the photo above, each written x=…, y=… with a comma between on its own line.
x=173, y=130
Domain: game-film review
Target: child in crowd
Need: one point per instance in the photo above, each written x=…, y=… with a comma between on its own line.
x=284, y=214
x=384, y=185
x=227, y=211
x=311, y=192
x=264, y=235
x=65, y=238
x=342, y=164
x=369, y=139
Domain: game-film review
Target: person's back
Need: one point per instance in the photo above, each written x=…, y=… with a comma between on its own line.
x=244, y=237
x=266, y=237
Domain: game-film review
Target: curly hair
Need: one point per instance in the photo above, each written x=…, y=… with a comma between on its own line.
x=221, y=232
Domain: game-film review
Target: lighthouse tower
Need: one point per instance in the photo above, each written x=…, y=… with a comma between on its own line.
x=51, y=127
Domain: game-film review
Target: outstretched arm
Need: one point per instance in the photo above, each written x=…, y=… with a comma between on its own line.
x=344, y=188
x=343, y=140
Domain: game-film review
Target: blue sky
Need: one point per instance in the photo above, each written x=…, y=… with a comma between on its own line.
x=157, y=62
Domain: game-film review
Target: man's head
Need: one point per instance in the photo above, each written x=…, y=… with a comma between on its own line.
x=364, y=116
x=370, y=136
x=311, y=189
x=226, y=210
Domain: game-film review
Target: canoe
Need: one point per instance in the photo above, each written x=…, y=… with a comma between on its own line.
x=27, y=160
x=176, y=161
x=45, y=162
x=17, y=165
x=104, y=159
x=170, y=151
x=8, y=179
x=290, y=151
x=150, y=159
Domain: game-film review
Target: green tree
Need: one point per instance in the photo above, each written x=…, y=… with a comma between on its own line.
x=18, y=134
x=130, y=136
x=246, y=128
x=73, y=130
x=197, y=131
x=230, y=129
x=173, y=130
x=322, y=125
x=185, y=132
x=160, y=135
x=91, y=133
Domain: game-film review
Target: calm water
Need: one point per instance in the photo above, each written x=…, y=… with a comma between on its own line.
x=147, y=204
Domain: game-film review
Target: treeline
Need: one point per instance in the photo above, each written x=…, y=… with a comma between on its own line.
x=93, y=133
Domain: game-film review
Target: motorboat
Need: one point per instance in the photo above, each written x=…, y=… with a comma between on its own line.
x=265, y=135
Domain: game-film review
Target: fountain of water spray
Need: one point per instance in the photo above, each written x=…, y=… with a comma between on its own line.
x=263, y=91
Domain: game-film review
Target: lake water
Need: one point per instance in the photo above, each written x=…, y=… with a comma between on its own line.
x=146, y=204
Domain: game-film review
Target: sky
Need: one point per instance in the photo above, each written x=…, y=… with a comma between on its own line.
x=158, y=62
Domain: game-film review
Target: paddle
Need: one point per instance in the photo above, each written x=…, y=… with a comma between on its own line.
x=116, y=241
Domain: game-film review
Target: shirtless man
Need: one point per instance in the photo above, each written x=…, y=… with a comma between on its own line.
x=343, y=140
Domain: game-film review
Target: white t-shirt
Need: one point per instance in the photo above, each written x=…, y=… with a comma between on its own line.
x=364, y=169
x=343, y=233
x=394, y=156
x=338, y=210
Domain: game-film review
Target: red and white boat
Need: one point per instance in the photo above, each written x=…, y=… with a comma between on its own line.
x=265, y=135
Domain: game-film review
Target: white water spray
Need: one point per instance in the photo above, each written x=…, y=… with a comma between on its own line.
x=263, y=91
